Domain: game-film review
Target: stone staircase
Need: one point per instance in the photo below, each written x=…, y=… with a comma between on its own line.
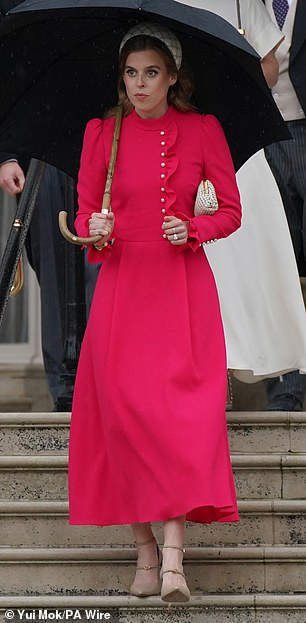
x=23, y=388
x=251, y=572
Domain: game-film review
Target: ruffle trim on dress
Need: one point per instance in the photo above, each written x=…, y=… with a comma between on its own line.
x=171, y=134
x=170, y=138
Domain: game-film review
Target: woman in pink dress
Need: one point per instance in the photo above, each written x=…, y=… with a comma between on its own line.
x=148, y=436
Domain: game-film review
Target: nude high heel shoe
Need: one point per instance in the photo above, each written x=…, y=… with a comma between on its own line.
x=174, y=590
x=148, y=581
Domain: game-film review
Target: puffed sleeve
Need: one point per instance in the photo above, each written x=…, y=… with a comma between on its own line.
x=219, y=169
x=91, y=183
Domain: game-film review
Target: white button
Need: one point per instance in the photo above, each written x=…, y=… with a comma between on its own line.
x=162, y=175
x=163, y=143
x=162, y=189
x=163, y=210
x=162, y=164
x=163, y=199
x=162, y=133
x=162, y=154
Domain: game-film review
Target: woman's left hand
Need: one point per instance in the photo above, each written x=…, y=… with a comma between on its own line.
x=175, y=230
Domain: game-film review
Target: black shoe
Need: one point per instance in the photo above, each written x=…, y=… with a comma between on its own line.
x=285, y=403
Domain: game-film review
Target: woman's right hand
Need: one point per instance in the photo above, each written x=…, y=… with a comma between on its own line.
x=101, y=225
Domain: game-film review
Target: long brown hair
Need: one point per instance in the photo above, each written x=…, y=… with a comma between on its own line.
x=179, y=94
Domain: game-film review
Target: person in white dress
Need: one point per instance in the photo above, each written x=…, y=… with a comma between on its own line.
x=255, y=270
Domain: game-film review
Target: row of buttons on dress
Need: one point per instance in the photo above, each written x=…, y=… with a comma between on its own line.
x=163, y=175
x=163, y=190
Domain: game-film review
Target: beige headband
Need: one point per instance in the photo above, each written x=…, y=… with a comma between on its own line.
x=160, y=32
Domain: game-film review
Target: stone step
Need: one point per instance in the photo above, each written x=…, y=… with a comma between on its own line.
x=46, y=524
x=24, y=387
x=250, y=432
x=269, y=476
x=250, y=572
x=27, y=571
x=272, y=432
x=212, y=608
x=11, y=404
x=34, y=433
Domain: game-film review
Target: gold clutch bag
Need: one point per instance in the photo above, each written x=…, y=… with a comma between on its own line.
x=206, y=200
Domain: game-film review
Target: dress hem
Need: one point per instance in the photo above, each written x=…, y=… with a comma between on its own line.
x=224, y=514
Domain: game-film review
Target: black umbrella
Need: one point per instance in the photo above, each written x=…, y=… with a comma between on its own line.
x=59, y=69
x=8, y=5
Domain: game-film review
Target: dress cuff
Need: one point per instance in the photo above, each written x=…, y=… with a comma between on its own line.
x=193, y=241
x=96, y=256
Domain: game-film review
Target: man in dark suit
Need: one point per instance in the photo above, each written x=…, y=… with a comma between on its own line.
x=45, y=251
x=45, y=248
x=287, y=160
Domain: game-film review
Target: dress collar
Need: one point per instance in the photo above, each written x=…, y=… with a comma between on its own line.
x=161, y=123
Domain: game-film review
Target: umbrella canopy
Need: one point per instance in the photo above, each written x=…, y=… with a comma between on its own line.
x=59, y=69
x=8, y=5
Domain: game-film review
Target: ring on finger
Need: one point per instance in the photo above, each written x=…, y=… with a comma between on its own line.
x=175, y=237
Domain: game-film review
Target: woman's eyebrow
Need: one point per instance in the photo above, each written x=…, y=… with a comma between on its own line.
x=148, y=67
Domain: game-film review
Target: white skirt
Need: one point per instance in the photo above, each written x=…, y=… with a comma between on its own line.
x=258, y=283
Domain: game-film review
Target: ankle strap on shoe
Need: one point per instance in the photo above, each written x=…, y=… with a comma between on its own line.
x=176, y=571
x=181, y=549
x=147, y=567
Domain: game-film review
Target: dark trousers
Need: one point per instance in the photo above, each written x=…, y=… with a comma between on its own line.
x=287, y=160
x=46, y=254
x=45, y=247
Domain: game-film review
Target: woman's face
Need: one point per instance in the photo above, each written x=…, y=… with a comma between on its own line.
x=147, y=82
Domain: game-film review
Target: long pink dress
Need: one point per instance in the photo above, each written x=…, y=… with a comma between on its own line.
x=148, y=435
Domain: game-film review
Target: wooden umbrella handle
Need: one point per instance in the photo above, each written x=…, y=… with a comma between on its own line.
x=69, y=236
x=18, y=279
x=62, y=217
